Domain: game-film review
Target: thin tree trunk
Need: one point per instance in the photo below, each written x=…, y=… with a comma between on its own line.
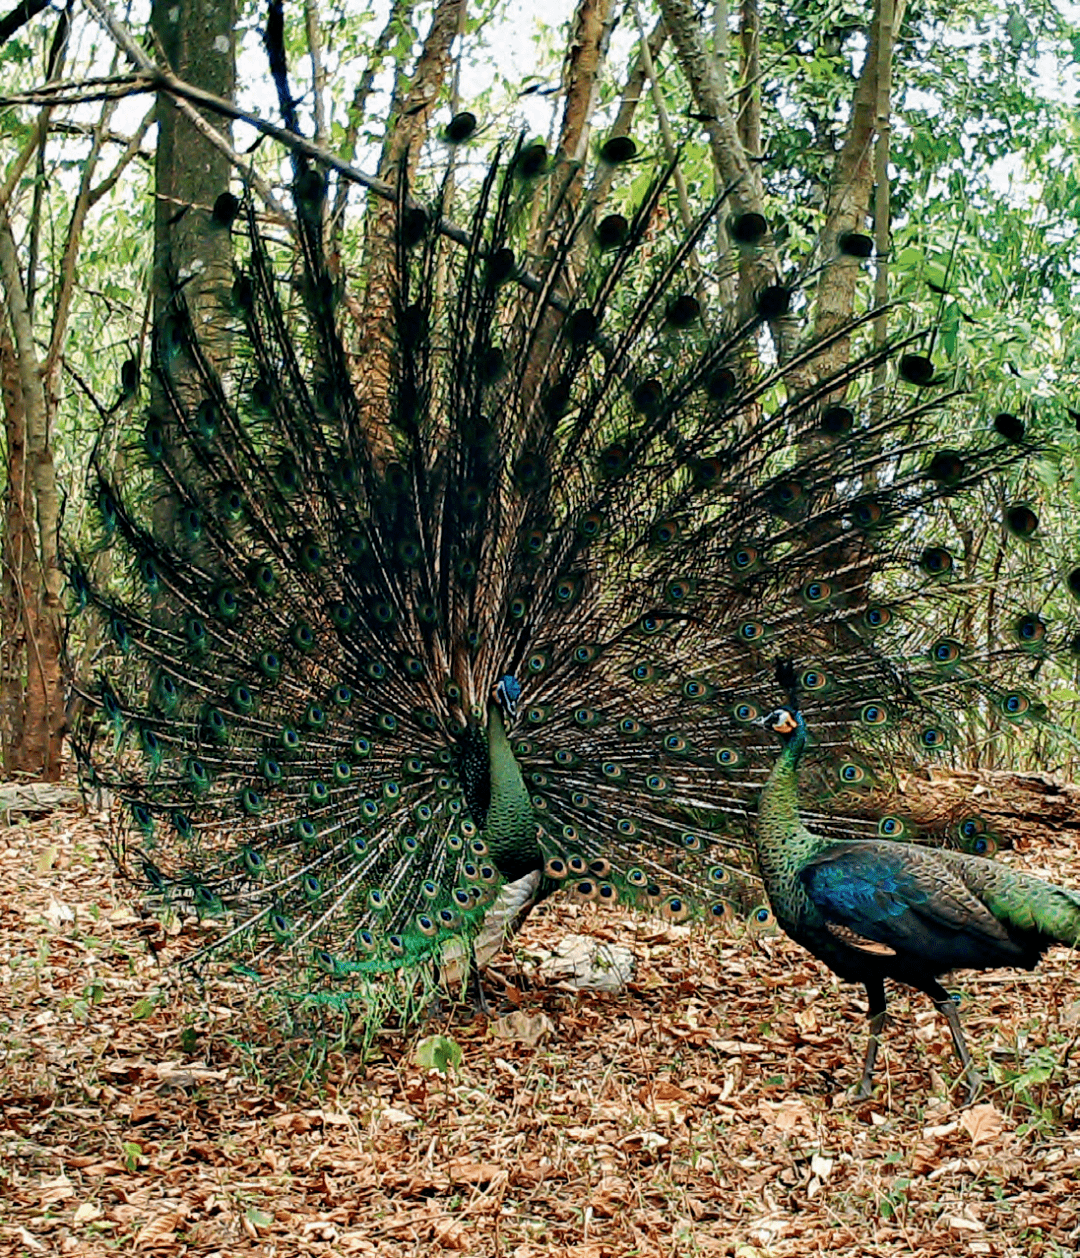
x=19, y=559
x=42, y=614
x=628, y=103
x=401, y=148
x=750, y=93
x=581, y=80
x=730, y=158
x=581, y=71
x=850, y=187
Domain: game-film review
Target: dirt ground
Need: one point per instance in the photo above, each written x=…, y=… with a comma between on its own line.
x=701, y=1111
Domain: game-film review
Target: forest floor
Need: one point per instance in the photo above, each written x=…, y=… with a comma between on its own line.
x=702, y=1111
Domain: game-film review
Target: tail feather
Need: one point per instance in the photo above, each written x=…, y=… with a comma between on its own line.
x=1040, y=911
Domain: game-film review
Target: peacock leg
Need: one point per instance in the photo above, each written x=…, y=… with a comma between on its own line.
x=434, y=1005
x=875, y=994
x=476, y=987
x=947, y=1008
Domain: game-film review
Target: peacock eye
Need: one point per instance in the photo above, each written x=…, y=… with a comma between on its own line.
x=936, y=561
x=1014, y=704
x=1021, y=522
x=1030, y=628
x=946, y=651
x=867, y=514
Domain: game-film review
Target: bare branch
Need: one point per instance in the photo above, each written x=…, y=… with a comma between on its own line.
x=162, y=79
x=80, y=91
x=83, y=130
x=318, y=70
x=132, y=150
x=19, y=16
x=359, y=100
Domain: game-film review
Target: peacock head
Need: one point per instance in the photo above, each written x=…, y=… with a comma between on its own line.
x=782, y=721
x=506, y=695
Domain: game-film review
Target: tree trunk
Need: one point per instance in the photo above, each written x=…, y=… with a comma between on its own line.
x=19, y=564
x=34, y=699
x=197, y=37
x=405, y=133
x=850, y=188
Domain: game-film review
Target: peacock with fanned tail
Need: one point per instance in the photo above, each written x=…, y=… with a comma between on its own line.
x=381, y=654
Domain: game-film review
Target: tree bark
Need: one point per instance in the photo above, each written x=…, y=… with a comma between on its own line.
x=43, y=721
x=629, y=101
x=197, y=38
x=581, y=78
x=849, y=192
x=729, y=156
x=750, y=94
x=401, y=148
x=19, y=559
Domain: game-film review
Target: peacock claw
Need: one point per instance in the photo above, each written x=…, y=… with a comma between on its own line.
x=975, y=1083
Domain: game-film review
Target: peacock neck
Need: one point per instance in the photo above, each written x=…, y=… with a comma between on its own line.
x=780, y=798
x=510, y=824
x=783, y=841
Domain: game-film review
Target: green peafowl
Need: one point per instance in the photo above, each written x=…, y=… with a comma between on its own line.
x=379, y=654
x=873, y=909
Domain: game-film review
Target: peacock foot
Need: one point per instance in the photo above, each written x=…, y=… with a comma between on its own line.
x=974, y=1082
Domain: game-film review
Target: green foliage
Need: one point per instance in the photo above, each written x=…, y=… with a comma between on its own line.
x=437, y=1052
x=984, y=191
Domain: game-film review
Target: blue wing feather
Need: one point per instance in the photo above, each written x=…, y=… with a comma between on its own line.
x=904, y=899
